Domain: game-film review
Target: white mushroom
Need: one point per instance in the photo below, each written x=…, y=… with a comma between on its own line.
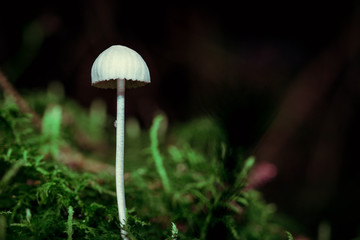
x=120, y=67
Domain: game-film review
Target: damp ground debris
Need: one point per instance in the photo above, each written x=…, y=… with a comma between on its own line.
x=57, y=181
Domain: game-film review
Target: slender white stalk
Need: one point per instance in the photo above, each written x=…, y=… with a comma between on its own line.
x=119, y=166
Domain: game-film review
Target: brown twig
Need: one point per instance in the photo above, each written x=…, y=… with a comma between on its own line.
x=20, y=102
x=68, y=155
x=308, y=90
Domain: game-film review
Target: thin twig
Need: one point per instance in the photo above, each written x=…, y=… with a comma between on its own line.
x=68, y=155
x=309, y=89
x=20, y=102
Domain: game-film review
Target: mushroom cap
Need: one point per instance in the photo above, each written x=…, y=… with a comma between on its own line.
x=119, y=62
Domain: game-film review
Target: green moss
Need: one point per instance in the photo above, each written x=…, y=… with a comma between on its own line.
x=177, y=184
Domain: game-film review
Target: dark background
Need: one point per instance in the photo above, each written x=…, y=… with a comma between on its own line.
x=283, y=79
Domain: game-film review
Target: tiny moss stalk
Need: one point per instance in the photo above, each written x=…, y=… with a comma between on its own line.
x=69, y=229
x=156, y=153
x=10, y=174
x=119, y=166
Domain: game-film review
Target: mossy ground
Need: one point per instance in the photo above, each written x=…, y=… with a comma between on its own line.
x=178, y=184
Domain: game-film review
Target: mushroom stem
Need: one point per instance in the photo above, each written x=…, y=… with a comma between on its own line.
x=119, y=165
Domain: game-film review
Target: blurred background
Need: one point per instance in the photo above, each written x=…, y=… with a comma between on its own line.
x=283, y=80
